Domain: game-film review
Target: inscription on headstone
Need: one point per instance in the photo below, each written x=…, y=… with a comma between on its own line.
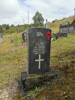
x=39, y=50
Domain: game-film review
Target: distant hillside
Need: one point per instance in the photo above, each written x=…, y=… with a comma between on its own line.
x=54, y=25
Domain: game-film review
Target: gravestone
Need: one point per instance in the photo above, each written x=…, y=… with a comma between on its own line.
x=39, y=42
x=39, y=50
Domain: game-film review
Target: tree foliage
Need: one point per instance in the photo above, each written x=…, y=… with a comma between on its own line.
x=38, y=19
x=9, y=29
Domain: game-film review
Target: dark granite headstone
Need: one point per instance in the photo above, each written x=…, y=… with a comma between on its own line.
x=39, y=50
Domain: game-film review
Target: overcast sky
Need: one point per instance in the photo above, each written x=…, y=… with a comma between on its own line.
x=16, y=11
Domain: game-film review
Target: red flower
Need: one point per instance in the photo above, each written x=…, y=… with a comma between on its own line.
x=48, y=35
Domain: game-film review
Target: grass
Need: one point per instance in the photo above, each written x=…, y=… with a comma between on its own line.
x=63, y=88
x=63, y=51
x=54, y=26
x=13, y=55
x=13, y=58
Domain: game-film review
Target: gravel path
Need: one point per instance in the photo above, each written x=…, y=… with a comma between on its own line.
x=4, y=95
x=1, y=40
x=10, y=93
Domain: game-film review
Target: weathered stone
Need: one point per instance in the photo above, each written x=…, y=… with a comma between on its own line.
x=39, y=50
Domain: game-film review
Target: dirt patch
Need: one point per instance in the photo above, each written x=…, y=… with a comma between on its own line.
x=10, y=92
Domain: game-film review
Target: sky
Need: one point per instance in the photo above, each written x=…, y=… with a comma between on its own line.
x=19, y=11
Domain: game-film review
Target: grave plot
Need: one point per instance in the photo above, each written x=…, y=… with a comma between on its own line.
x=38, y=71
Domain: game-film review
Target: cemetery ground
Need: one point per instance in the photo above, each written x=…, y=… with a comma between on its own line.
x=13, y=58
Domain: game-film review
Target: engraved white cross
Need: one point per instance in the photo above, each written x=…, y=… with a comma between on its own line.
x=39, y=60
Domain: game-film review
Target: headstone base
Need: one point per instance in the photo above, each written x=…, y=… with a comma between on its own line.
x=30, y=82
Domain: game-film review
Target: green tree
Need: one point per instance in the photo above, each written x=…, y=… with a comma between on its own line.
x=38, y=19
x=7, y=27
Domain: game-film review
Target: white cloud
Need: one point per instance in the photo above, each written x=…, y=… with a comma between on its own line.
x=52, y=9
x=11, y=12
x=15, y=11
x=8, y=8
